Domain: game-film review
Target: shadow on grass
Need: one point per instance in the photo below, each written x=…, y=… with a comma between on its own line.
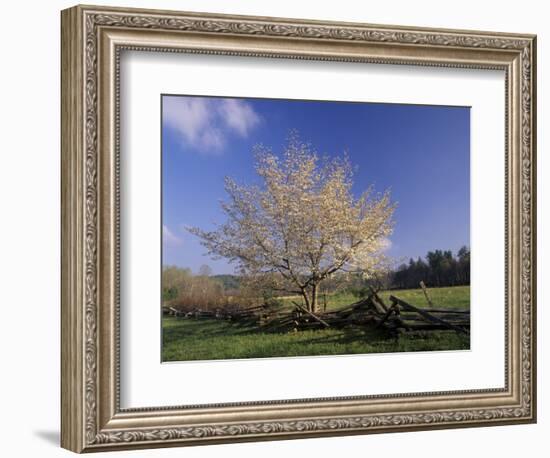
x=210, y=328
x=353, y=334
x=206, y=328
x=209, y=339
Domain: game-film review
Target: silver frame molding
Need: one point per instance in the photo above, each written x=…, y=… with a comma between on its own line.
x=92, y=40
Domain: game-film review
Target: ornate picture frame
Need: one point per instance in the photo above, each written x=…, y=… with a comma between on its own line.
x=92, y=41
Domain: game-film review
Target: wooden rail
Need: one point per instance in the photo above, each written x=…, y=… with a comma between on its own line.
x=426, y=315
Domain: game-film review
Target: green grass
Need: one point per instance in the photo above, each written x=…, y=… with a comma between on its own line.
x=456, y=297
x=209, y=339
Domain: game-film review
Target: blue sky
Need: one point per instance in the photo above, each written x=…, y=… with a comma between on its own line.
x=421, y=153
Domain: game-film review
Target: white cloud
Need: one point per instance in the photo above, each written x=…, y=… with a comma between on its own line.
x=239, y=116
x=168, y=237
x=206, y=123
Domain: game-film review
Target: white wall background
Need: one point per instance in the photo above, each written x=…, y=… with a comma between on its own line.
x=29, y=233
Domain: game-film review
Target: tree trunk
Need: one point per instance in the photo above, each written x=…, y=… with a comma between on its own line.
x=311, y=298
x=306, y=299
x=314, y=299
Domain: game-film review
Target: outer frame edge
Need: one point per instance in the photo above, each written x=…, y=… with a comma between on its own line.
x=72, y=319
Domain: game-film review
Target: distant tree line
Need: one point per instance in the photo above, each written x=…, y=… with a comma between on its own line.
x=229, y=282
x=438, y=268
x=184, y=290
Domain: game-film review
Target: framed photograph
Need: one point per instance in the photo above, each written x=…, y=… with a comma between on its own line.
x=279, y=228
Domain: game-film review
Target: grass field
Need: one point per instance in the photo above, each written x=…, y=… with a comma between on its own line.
x=453, y=297
x=208, y=339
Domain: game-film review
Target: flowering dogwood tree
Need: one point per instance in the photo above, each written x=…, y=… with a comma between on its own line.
x=302, y=224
